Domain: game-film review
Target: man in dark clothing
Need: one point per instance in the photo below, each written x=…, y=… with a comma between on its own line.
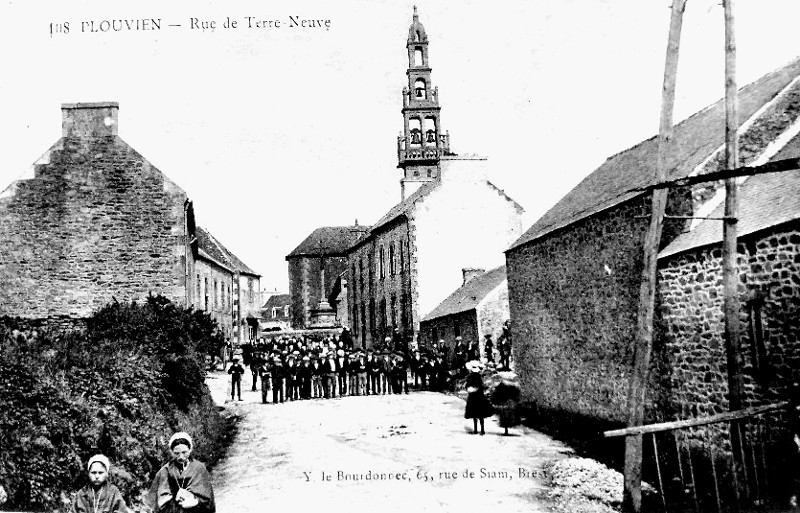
x=304, y=377
x=374, y=369
x=414, y=365
x=488, y=348
x=400, y=375
x=277, y=379
x=236, y=371
x=291, y=376
x=255, y=369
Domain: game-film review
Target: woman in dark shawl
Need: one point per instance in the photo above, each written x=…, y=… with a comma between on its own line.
x=478, y=406
x=183, y=484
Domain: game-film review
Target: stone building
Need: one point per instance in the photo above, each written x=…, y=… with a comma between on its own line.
x=95, y=222
x=574, y=276
x=476, y=309
x=690, y=288
x=226, y=288
x=214, y=282
x=454, y=218
x=276, y=313
x=324, y=247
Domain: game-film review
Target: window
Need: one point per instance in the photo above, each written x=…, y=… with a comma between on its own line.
x=250, y=293
x=199, y=292
x=394, y=310
x=216, y=294
x=418, y=61
x=361, y=275
x=372, y=314
x=286, y=311
x=383, y=314
x=205, y=289
x=381, y=271
x=456, y=330
x=391, y=259
x=402, y=257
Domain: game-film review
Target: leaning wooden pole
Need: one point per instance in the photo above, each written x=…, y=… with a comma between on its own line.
x=632, y=493
x=730, y=275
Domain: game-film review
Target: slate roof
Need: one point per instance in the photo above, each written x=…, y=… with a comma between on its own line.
x=332, y=240
x=697, y=137
x=764, y=201
x=278, y=301
x=209, y=246
x=468, y=296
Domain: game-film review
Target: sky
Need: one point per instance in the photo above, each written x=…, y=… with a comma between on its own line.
x=274, y=131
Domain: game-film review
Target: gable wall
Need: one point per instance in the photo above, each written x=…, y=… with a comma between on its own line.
x=96, y=222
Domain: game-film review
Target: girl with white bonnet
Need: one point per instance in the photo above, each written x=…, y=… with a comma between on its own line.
x=183, y=484
x=99, y=496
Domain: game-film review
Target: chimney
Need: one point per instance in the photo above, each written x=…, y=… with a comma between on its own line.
x=89, y=119
x=470, y=273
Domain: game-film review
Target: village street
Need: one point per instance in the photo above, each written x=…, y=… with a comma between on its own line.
x=378, y=453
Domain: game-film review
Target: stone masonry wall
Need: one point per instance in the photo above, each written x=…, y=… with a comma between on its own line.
x=96, y=222
x=573, y=298
x=691, y=288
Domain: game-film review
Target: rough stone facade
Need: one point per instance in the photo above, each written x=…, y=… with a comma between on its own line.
x=96, y=222
x=573, y=299
x=693, y=327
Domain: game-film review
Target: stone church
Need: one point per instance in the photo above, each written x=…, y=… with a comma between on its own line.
x=450, y=217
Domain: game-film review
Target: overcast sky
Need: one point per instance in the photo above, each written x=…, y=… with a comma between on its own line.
x=273, y=132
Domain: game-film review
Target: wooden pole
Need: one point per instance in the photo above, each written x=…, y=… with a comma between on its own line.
x=632, y=492
x=730, y=275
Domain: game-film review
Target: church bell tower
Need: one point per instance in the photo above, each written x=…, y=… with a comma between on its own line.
x=423, y=142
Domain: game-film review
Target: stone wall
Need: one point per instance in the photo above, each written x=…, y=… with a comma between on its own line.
x=573, y=298
x=97, y=222
x=693, y=335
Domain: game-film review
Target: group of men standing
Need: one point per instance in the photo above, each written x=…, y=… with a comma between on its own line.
x=294, y=369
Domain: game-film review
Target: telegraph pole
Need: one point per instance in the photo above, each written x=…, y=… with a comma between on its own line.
x=730, y=275
x=632, y=492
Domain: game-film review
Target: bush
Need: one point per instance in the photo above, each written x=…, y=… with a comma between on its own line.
x=119, y=387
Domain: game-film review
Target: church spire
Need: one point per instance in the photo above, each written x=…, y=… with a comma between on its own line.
x=423, y=142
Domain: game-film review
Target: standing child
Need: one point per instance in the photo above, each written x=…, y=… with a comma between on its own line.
x=99, y=496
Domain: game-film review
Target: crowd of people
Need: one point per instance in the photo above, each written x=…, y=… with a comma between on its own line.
x=297, y=368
